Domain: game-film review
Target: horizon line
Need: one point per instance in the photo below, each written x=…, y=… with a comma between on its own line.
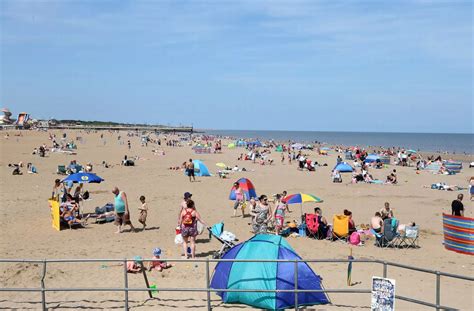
x=333, y=131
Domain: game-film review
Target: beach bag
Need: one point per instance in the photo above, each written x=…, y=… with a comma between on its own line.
x=178, y=239
x=85, y=196
x=188, y=218
x=200, y=227
x=354, y=239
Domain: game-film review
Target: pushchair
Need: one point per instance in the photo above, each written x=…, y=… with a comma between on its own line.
x=226, y=238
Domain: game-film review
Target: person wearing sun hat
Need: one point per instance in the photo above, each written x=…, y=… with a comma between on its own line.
x=135, y=266
x=158, y=264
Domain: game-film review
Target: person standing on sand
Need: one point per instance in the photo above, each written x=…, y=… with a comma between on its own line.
x=457, y=208
x=186, y=197
x=190, y=170
x=122, y=213
x=188, y=224
x=471, y=187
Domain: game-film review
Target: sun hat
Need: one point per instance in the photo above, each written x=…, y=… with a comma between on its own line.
x=157, y=251
x=137, y=259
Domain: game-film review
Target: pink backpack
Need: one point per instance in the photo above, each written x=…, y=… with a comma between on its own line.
x=354, y=239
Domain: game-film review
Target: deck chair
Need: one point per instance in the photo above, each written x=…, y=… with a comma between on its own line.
x=61, y=170
x=312, y=225
x=410, y=237
x=340, y=230
x=390, y=236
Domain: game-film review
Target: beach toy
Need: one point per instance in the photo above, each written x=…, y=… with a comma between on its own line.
x=153, y=289
x=266, y=275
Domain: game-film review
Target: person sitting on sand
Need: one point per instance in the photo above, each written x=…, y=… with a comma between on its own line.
x=135, y=266
x=323, y=223
x=352, y=226
x=158, y=265
x=376, y=222
x=392, y=178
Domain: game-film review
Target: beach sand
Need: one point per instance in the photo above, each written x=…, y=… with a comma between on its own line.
x=27, y=232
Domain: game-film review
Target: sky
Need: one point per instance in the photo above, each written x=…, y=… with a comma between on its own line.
x=383, y=66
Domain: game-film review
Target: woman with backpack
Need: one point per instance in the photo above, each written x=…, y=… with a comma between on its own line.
x=188, y=224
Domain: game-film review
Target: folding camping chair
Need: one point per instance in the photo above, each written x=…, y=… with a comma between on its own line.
x=226, y=238
x=61, y=170
x=340, y=230
x=410, y=237
x=390, y=236
x=312, y=225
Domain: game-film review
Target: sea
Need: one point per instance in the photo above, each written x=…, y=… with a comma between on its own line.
x=431, y=142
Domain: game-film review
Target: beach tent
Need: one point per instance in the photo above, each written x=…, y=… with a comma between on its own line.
x=200, y=169
x=297, y=146
x=266, y=275
x=248, y=188
x=344, y=167
x=372, y=158
x=256, y=143
x=279, y=148
x=240, y=143
x=435, y=166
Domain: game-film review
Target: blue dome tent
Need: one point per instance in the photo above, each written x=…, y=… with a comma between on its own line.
x=240, y=143
x=266, y=275
x=344, y=167
x=372, y=158
x=199, y=169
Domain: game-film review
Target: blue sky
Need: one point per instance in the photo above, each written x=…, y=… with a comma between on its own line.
x=403, y=66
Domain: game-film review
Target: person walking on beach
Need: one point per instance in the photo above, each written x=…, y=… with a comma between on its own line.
x=239, y=198
x=129, y=145
x=262, y=215
x=188, y=224
x=457, y=208
x=122, y=213
x=143, y=209
x=190, y=170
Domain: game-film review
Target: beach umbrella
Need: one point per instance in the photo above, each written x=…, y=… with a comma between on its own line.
x=83, y=178
x=297, y=146
x=411, y=151
x=266, y=275
x=248, y=188
x=300, y=198
x=221, y=165
x=326, y=148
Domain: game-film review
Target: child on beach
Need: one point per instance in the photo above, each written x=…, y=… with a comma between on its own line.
x=143, y=209
x=135, y=266
x=158, y=265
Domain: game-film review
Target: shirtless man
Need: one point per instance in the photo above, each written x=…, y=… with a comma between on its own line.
x=190, y=170
x=376, y=223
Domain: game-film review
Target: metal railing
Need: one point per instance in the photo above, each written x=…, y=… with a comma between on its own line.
x=208, y=290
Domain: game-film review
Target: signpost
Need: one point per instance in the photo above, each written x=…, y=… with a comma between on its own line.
x=383, y=294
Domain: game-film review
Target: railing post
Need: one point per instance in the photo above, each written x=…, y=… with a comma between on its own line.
x=125, y=275
x=438, y=290
x=209, y=308
x=43, y=293
x=296, y=284
x=385, y=269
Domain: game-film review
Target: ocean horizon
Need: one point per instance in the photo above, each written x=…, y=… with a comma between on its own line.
x=459, y=143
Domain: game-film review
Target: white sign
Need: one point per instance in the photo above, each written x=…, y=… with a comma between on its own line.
x=383, y=294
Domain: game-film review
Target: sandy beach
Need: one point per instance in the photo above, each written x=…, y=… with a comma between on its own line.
x=27, y=232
